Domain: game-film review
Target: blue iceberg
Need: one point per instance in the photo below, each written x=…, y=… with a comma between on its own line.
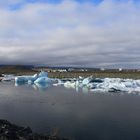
x=25, y=78
x=30, y=78
x=42, y=80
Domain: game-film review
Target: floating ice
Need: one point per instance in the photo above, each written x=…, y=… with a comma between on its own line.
x=8, y=77
x=43, y=74
x=31, y=78
x=25, y=79
x=42, y=80
x=38, y=81
x=69, y=84
x=113, y=85
x=86, y=81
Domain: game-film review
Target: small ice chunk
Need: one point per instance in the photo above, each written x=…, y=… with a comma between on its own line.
x=86, y=81
x=69, y=84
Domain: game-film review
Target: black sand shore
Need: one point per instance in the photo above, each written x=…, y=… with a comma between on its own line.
x=9, y=131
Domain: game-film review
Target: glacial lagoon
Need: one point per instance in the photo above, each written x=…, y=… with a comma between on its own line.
x=74, y=114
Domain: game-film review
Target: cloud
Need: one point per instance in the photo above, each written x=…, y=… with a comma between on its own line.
x=71, y=33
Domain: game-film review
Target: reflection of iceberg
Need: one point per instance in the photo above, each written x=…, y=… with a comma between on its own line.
x=42, y=86
x=85, y=90
x=19, y=84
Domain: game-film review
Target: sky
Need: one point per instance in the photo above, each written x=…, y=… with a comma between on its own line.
x=86, y=33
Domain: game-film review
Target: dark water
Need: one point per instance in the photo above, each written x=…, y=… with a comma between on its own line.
x=77, y=115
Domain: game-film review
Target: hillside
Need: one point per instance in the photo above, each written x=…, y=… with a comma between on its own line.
x=16, y=69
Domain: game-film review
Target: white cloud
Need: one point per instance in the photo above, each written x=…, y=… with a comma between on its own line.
x=71, y=33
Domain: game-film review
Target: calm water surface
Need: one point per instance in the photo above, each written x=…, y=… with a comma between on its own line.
x=77, y=115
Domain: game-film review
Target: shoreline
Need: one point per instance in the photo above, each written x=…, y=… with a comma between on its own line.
x=9, y=131
x=97, y=74
x=24, y=70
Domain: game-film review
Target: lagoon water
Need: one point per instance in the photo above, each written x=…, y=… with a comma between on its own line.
x=77, y=115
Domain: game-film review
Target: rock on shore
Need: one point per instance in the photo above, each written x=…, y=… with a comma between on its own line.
x=10, y=131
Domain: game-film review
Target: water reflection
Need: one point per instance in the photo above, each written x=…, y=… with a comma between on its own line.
x=37, y=86
x=41, y=87
x=77, y=116
x=77, y=89
x=45, y=86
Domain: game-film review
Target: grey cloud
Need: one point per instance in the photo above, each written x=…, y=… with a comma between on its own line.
x=71, y=33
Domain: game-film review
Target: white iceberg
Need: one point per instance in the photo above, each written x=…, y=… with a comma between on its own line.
x=86, y=81
x=104, y=85
x=69, y=84
x=8, y=77
x=58, y=82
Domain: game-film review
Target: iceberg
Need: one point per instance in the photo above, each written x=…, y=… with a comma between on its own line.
x=8, y=77
x=25, y=79
x=38, y=81
x=69, y=84
x=86, y=81
x=58, y=82
x=42, y=80
x=89, y=84
x=30, y=78
x=104, y=85
x=43, y=74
